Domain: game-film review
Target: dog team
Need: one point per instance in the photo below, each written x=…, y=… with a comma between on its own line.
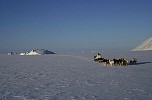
x=114, y=62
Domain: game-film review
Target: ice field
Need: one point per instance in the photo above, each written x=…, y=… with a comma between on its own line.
x=75, y=76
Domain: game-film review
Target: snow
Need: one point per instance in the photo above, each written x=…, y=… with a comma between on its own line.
x=75, y=76
x=146, y=45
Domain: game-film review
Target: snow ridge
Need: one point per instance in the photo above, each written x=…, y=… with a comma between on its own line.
x=146, y=45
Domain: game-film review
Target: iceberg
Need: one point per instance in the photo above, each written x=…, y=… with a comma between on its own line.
x=38, y=52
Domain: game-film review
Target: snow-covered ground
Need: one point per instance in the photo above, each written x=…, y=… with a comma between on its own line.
x=75, y=77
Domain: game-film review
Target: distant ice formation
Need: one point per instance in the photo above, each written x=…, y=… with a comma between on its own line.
x=146, y=45
x=11, y=53
x=38, y=52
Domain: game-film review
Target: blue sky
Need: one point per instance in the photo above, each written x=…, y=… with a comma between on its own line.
x=74, y=24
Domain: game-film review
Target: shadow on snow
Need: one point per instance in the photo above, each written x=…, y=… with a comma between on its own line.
x=140, y=63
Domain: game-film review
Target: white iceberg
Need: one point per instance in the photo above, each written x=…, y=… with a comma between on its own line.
x=38, y=52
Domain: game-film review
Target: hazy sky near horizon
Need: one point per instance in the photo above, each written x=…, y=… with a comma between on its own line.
x=74, y=24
